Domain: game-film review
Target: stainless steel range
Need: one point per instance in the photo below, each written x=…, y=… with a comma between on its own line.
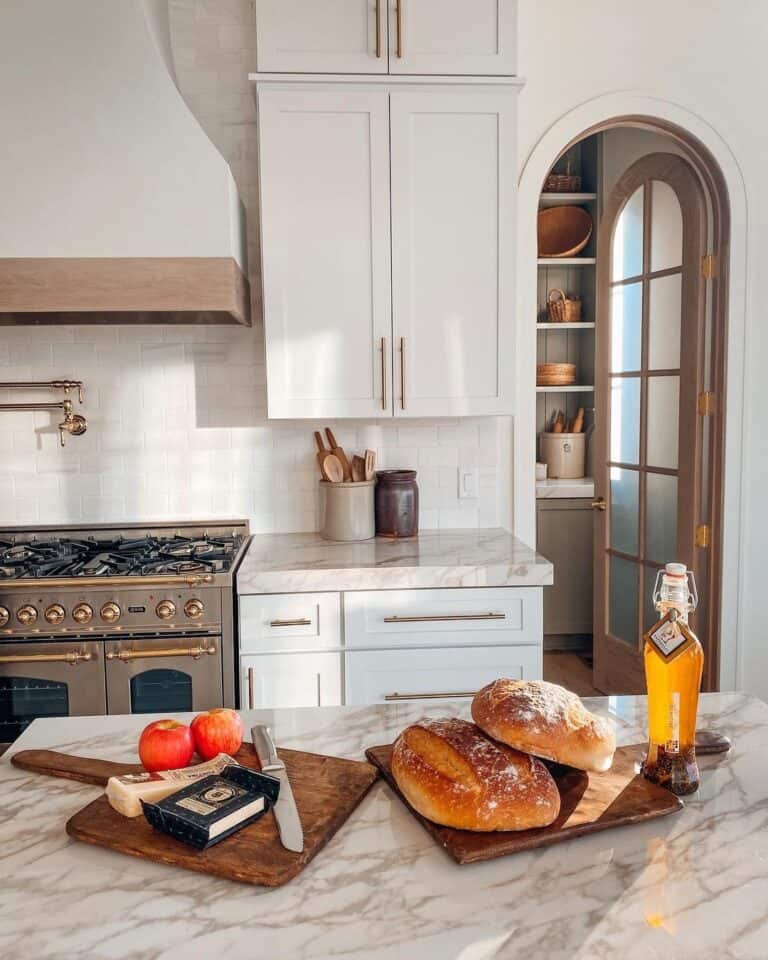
x=116, y=619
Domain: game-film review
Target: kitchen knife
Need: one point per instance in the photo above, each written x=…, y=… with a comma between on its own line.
x=286, y=814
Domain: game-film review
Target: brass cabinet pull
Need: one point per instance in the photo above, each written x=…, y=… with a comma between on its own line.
x=383, y=373
x=439, y=618
x=399, y=11
x=302, y=622
x=402, y=373
x=251, y=688
x=429, y=696
x=599, y=504
x=194, y=652
x=72, y=657
x=378, y=29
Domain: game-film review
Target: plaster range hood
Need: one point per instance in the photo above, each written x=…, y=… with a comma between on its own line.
x=114, y=204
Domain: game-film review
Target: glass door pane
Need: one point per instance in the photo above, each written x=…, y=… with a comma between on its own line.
x=627, y=253
x=622, y=604
x=23, y=699
x=161, y=691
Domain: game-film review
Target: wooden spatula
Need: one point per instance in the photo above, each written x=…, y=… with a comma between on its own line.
x=358, y=469
x=338, y=452
x=370, y=463
x=332, y=469
x=322, y=453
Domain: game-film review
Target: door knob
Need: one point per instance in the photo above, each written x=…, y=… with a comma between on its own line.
x=599, y=504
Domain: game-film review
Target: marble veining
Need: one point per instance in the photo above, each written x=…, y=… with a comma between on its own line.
x=584, y=487
x=304, y=562
x=694, y=885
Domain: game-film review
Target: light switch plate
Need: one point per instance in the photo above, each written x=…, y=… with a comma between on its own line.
x=469, y=483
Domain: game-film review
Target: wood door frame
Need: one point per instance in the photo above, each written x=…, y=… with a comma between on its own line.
x=617, y=656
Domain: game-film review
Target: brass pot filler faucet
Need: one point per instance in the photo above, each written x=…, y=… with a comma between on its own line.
x=73, y=423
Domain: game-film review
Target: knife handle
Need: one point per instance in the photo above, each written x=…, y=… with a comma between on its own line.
x=264, y=745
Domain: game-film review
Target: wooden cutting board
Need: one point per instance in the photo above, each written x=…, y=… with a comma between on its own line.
x=589, y=803
x=327, y=790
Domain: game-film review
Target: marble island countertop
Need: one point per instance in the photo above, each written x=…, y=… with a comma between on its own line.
x=304, y=563
x=693, y=886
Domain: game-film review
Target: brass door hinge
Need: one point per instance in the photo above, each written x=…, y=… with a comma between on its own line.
x=705, y=404
x=708, y=266
x=703, y=536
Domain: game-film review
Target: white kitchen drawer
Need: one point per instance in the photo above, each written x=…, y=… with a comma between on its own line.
x=420, y=618
x=285, y=622
x=383, y=676
x=270, y=681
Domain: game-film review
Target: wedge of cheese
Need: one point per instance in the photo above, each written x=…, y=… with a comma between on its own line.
x=126, y=793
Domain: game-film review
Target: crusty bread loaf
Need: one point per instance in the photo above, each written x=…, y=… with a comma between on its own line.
x=454, y=775
x=545, y=720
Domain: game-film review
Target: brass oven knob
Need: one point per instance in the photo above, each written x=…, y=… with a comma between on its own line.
x=194, y=609
x=55, y=613
x=26, y=615
x=83, y=613
x=5, y=616
x=165, y=609
x=110, y=612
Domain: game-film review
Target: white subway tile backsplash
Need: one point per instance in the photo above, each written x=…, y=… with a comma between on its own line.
x=177, y=414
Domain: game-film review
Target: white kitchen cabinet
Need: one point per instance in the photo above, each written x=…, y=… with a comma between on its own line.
x=453, y=37
x=388, y=676
x=448, y=37
x=443, y=618
x=453, y=250
x=325, y=233
x=281, y=623
x=356, y=325
x=332, y=36
x=290, y=680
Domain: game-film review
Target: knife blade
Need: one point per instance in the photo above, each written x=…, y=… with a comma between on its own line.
x=286, y=814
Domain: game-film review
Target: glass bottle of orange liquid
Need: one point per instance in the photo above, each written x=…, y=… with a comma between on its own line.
x=674, y=661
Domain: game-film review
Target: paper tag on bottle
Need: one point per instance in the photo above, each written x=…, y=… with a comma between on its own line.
x=668, y=637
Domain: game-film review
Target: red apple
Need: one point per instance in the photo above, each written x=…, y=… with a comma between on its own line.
x=217, y=731
x=166, y=745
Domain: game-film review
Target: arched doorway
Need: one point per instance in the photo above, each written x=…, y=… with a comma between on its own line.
x=719, y=192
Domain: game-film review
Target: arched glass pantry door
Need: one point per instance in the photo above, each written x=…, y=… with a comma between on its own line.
x=648, y=461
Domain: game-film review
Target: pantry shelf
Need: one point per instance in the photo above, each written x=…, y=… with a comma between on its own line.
x=573, y=388
x=565, y=327
x=566, y=261
x=558, y=199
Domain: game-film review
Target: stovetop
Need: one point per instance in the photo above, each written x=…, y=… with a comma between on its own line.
x=131, y=550
x=117, y=556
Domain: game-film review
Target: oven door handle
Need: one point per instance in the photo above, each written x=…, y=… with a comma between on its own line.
x=194, y=652
x=72, y=657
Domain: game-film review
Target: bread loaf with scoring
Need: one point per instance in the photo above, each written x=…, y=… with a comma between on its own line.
x=454, y=775
x=546, y=720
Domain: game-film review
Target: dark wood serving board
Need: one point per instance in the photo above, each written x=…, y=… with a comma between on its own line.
x=327, y=790
x=589, y=803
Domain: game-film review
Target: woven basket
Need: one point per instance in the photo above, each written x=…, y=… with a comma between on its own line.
x=562, y=183
x=562, y=308
x=563, y=231
x=555, y=374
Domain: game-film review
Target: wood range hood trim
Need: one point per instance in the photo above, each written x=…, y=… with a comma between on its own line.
x=55, y=290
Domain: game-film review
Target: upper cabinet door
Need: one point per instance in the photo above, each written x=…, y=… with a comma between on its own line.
x=453, y=37
x=326, y=251
x=454, y=171
x=322, y=36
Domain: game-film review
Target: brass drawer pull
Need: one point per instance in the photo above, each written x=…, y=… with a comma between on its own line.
x=399, y=11
x=193, y=580
x=251, y=688
x=429, y=696
x=383, y=373
x=72, y=657
x=402, y=373
x=378, y=29
x=442, y=618
x=194, y=652
x=301, y=622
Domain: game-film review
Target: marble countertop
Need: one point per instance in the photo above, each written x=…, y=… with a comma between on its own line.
x=305, y=563
x=693, y=886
